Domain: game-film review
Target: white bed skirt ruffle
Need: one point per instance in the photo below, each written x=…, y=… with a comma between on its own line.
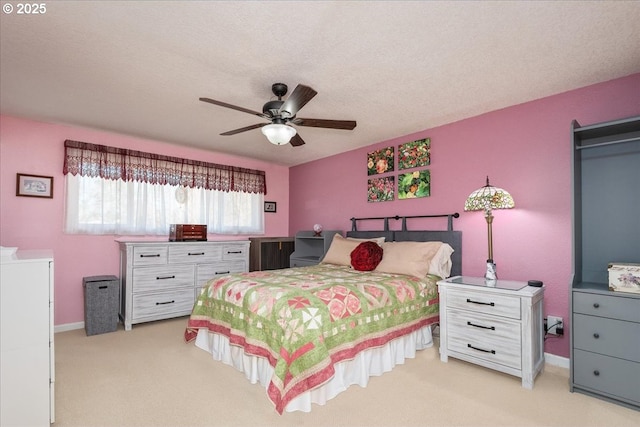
x=368, y=363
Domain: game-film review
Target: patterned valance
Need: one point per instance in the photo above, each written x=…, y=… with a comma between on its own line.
x=118, y=163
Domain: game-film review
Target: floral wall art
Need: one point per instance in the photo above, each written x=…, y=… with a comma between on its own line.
x=414, y=154
x=380, y=161
x=381, y=189
x=414, y=184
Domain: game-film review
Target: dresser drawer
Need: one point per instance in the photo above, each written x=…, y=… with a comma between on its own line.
x=164, y=304
x=194, y=254
x=484, y=302
x=607, y=336
x=162, y=278
x=617, y=306
x=206, y=272
x=485, y=337
x=149, y=255
x=232, y=251
x=606, y=374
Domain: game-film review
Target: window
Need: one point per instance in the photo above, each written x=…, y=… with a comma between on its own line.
x=117, y=191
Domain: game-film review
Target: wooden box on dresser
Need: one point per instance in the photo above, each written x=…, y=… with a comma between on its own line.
x=605, y=325
x=497, y=325
x=27, y=356
x=160, y=280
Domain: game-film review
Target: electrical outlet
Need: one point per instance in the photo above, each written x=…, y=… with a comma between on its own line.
x=554, y=322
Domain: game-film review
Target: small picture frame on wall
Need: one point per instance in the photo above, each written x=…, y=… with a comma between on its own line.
x=270, y=206
x=34, y=186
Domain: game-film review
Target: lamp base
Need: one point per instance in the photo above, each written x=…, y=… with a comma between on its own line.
x=491, y=271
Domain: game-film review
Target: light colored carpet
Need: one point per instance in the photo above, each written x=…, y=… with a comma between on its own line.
x=150, y=377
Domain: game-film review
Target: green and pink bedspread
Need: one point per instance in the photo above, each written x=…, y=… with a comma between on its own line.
x=304, y=320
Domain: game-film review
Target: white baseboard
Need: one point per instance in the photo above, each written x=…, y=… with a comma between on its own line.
x=554, y=360
x=68, y=327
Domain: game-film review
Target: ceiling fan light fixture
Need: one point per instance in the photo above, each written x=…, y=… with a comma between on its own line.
x=278, y=134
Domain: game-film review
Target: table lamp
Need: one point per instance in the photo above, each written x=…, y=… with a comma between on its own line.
x=486, y=199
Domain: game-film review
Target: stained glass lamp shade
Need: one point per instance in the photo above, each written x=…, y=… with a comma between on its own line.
x=486, y=199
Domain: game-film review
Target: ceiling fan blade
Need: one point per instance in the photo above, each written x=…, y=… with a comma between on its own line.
x=244, y=129
x=296, y=141
x=320, y=123
x=298, y=99
x=233, y=107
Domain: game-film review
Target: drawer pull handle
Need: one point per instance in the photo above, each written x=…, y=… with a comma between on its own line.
x=596, y=305
x=234, y=252
x=596, y=373
x=195, y=253
x=479, y=302
x=223, y=272
x=166, y=302
x=149, y=256
x=165, y=277
x=493, y=328
x=103, y=287
x=596, y=335
x=481, y=349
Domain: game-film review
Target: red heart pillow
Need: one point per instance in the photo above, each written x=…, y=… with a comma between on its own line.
x=366, y=256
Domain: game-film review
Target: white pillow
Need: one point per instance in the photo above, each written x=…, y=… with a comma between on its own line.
x=440, y=264
x=411, y=258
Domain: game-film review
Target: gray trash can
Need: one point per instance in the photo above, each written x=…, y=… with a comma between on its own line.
x=101, y=300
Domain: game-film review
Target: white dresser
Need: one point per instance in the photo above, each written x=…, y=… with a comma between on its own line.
x=160, y=280
x=27, y=363
x=499, y=326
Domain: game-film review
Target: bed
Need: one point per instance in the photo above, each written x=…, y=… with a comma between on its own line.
x=308, y=333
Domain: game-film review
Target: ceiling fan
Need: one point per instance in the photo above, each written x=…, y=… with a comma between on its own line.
x=281, y=114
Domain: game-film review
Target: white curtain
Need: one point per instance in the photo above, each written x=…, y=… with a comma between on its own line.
x=96, y=205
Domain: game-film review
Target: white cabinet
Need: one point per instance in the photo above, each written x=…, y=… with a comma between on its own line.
x=160, y=280
x=27, y=363
x=496, y=325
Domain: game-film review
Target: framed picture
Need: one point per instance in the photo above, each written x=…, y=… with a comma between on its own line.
x=415, y=184
x=269, y=206
x=380, y=161
x=414, y=154
x=380, y=189
x=34, y=186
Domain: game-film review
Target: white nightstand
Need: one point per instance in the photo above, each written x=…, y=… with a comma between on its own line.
x=497, y=325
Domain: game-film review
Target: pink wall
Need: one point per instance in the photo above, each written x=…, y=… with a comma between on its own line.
x=524, y=149
x=38, y=148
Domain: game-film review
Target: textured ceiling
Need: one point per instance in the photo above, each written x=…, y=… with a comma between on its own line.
x=139, y=67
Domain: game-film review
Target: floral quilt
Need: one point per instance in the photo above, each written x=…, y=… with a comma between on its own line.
x=306, y=319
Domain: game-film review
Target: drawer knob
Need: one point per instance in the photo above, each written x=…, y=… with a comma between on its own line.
x=596, y=373
x=596, y=305
x=596, y=335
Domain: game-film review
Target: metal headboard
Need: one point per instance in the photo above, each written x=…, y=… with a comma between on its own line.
x=386, y=219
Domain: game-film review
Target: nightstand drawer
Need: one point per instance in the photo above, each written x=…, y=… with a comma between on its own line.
x=484, y=302
x=174, y=303
x=607, y=336
x=485, y=337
